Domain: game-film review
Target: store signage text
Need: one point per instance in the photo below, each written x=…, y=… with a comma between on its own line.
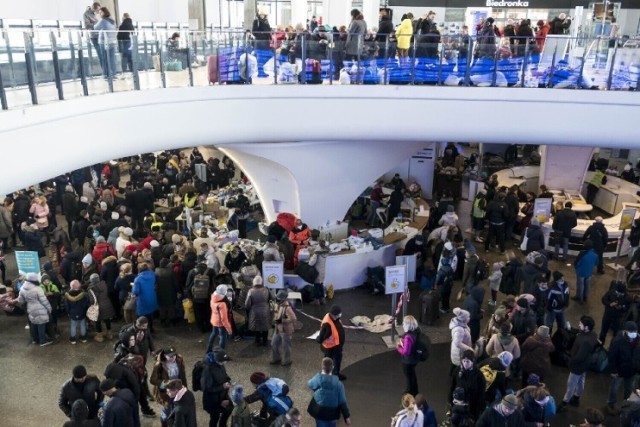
x=507, y=3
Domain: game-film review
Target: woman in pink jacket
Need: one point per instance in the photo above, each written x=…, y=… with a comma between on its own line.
x=40, y=211
x=405, y=347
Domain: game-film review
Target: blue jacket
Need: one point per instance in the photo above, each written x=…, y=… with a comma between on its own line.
x=329, y=400
x=586, y=262
x=144, y=287
x=122, y=410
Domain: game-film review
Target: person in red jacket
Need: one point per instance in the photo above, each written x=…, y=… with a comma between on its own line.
x=541, y=34
x=101, y=251
x=219, y=317
x=299, y=237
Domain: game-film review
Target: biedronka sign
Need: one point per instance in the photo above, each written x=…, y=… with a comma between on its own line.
x=506, y=3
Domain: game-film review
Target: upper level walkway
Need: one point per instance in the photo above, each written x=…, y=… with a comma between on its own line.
x=41, y=66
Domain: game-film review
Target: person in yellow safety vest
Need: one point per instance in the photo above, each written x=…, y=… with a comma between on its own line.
x=331, y=338
x=154, y=222
x=190, y=200
x=597, y=180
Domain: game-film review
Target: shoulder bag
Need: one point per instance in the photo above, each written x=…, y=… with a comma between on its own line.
x=93, y=312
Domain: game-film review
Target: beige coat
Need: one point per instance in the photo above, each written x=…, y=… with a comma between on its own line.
x=285, y=313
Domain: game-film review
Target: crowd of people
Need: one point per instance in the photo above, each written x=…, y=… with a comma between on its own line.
x=118, y=260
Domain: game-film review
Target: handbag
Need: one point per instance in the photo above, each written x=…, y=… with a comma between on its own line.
x=93, y=312
x=131, y=302
x=525, y=239
x=42, y=220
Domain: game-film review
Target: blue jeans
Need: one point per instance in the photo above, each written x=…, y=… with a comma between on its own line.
x=217, y=330
x=99, y=54
x=615, y=386
x=109, y=54
x=583, y=285
x=373, y=216
x=73, y=327
x=565, y=246
x=38, y=333
x=322, y=423
x=558, y=316
x=575, y=386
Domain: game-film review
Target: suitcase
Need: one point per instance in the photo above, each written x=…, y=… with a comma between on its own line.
x=212, y=69
x=429, y=307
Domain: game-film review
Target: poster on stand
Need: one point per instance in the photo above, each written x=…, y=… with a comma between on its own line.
x=626, y=219
x=28, y=261
x=395, y=279
x=273, y=274
x=542, y=210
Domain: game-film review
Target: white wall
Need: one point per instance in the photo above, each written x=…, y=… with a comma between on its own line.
x=563, y=168
x=628, y=19
x=320, y=179
x=64, y=10
x=156, y=10
x=62, y=136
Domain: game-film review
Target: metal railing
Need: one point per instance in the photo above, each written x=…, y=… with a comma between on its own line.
x=43, y=65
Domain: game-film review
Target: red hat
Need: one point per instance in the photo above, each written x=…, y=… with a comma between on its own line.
x=257, y=378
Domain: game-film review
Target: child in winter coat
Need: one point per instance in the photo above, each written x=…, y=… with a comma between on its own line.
x=52, y=293
x=76, y=303
x=494, y=281
x=241, y=415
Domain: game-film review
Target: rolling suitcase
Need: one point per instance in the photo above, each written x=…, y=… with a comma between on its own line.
x=212, y=69
x=429, y=303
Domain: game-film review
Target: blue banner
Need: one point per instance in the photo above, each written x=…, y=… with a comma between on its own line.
x=28, y=262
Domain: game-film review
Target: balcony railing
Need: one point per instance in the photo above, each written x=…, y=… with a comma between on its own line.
x=43, y=65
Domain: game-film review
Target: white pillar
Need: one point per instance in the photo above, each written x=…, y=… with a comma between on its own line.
x=298, y=12
x=370, y=10
x=336, y=12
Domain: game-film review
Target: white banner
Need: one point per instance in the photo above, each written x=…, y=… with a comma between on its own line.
x=395, y=279
x=411, y=262
x=273, y=274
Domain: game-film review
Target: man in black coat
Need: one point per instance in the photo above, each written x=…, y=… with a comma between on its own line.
x=69, y=207
x=514, y=207
x=215, y=384
x=141, y=203
x=473, y=304
x=81, y=386
x=472, y=381
x=122, y=408
x=523, y=320
x=579, y=361
x=502, y=414
x=616, y=304
x=563, y=223
x=182, y=406
x=385, y=27
x=123, y=377
x=497, y=214
x=622, y=353
x=416, y=245
x=598, y=234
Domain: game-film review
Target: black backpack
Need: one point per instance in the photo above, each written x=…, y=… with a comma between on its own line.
x=482, y=270
x=421, y=347
x=200, y=288
x=196, y=375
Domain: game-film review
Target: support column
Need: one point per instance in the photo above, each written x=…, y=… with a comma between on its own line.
x=370, y=10
x=250, y=10
x=298, y=12
x=336, y=12
x=197, y=16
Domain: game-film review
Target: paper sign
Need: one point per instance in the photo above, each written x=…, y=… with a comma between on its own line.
x=272, y=274
x=626, y=220
x=395, y=279
x=28, y=262
x=542, y=210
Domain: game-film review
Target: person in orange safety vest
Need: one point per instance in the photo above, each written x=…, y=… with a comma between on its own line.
x=331, y=338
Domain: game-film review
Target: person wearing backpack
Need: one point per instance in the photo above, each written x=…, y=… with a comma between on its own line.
x=272, y=392
x=215, y=384
x=599, y=235
x=557, y=301
x=406, y=346
x=410, y=415
x=199, y=288
x=220, y=319
x=329, y=400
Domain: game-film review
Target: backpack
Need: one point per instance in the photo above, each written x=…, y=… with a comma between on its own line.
x=482, y=270
x=421, y=347
x=489, y=375
x=196, y=375
x=200, y=288
x=76, y=270
x=135, y=363
x=243, y=206
x=274, y=395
